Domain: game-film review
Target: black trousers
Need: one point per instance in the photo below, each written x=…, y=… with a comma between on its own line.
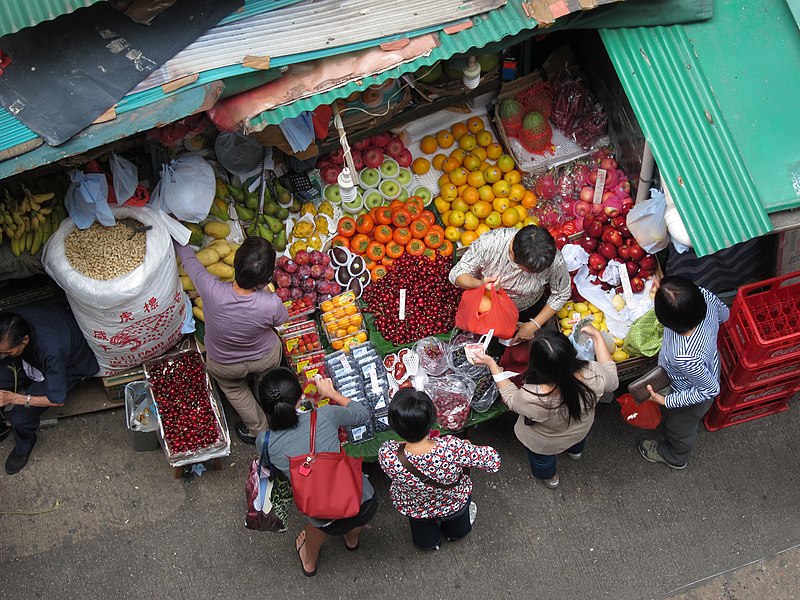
x=25, y=424
x=680, y=427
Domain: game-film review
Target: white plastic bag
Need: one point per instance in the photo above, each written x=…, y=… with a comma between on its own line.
x=132, y=318
x=86, y=199
x=186, y=189
x=647, y=224
x=238, y=153
x=125, y=177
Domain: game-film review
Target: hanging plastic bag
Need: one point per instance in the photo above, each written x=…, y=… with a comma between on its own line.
x=238, y=153
x=86, y=200
x=125, y=176
x=487, y=307
x=451, y=396
x=645, y=336
x=647, y=223
x=432, y=354
x=186, y=189
x=485, y=393
x=457, y=356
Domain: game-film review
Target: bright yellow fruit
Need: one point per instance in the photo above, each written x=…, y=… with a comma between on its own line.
x=471, y=222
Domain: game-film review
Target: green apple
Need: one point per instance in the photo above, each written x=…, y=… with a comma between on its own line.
x=390, y=188
x=403, y=176
x=403, y=195
x=389, y=168
x=354, y=205
x=369, y=178
x=373, y=199
x=332, y=194
x=424, y=193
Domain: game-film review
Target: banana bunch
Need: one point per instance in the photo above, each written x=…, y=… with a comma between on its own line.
x=29, y=222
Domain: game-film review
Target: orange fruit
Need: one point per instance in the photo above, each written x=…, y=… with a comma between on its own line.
x=449, y=192
x=492, y=174
x=458, y=176
x=532, y=220
x=456, y=218
x=501, y=204
x=445, y=139
x=482, y=228
x=470, y=195
x=513, y=176
x=480, y=152
x=449, y=165
x=494, y=150
x=529, y=200
x=484, y=138
x=467, y=142
x=337, y=344
x=446, y=216
x=475, y=124
x=517, y=191
x=486, y=193
x=505, y=163
x=459, y=204
x=351, y=329
x=443, y=180
x=420, y=166
x=494, y=220
x=475, y=179
x=523, y=212
x=485, y=165
x=481, y=209
x=459, y=155
x=510, y=217
x=441, y=204
x=428, y=144
x=453, y=233
x=468, y=237
x=459, y=129
x=438, y=160
x=471, y=162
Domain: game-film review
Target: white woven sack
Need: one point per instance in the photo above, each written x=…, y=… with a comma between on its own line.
x=132, y=318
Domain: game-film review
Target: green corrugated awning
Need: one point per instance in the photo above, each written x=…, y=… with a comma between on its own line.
x=718, y=103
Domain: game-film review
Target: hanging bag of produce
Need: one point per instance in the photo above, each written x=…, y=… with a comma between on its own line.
x=186, y=189
x=647, y=223
x=122, y=287
x=451, y=395
x=487, y=307
x=125, y=177
x=86, y=199
x=645, y=336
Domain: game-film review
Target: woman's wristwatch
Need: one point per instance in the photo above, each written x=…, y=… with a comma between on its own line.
x=28, y=401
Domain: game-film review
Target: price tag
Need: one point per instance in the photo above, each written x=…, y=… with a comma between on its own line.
x=627, y=291
x=576, y=316
x=599, y=185
x=373, y=378
x=402, y=312
x=345, y=363
x=254, y=186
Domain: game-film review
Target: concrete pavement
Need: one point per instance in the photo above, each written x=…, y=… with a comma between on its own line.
x=617, y=528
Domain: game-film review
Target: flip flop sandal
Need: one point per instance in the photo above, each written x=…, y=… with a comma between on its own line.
x=302, y=566
x=348, y=548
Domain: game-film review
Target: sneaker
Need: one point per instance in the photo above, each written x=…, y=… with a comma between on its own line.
x=243, y=433
x=16, y=462
x=5, y=429
x=473, y=512
x=575, y=457
x=649, y=451
x=552, y=483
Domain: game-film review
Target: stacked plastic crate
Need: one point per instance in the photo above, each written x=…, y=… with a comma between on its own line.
x=759, y=350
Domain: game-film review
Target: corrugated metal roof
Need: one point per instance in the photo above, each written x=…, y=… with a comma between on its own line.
x=718, y=103
x=17, y=14
x=327, y=28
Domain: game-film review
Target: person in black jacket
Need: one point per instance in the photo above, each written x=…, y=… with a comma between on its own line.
x=43, y=355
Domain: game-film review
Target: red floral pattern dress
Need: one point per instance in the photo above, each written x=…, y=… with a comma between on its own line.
x=413, y=498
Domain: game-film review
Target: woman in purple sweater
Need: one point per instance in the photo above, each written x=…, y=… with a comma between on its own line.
x=240, y=341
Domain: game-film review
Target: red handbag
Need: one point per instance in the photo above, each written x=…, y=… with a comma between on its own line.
x=326, y=485
x=646, y=415
x=502, y=315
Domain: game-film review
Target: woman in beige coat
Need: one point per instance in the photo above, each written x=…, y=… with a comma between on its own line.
x=556, y=404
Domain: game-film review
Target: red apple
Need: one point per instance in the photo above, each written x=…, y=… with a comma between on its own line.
x=632, y=268
x=592, y=178
x=593, y=229
x=561, y=240
x=624, y=252
x=612, y=235
x=588, y=243
x=608, y=163
x=637, y=284
x=617, y=221
x=587, y=194
x=597, y=262
x=648, y=262
x=583, y=207
x=636, y=251
x=626, y=233
x=607, y=250
x=645, y=274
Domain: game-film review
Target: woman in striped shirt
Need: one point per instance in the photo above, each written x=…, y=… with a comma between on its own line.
x=691, y=317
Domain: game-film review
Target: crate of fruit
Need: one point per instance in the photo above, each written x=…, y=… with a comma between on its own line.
x=300, y=338
x=191, y=422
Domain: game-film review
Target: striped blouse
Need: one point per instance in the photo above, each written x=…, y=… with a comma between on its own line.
x=692, y=362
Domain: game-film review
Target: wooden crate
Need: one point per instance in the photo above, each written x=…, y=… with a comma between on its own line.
x=114, y=385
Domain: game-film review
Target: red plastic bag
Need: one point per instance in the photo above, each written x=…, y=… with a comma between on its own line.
x=646, y=415
x=515, y=359
x=501, y=315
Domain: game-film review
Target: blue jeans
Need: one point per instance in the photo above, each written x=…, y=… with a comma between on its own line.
x=543, y=466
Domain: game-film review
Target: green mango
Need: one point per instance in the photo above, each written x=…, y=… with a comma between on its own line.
x=251, y=201
x=265, y=233
x=235, y=193
x=196, y=238
x=274, y=224
x=220, y=214
x=280, y=241
x=245, y=214
x=221, y=190
x=282, y=214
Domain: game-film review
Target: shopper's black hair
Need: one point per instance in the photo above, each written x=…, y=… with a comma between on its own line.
x=554, y=361
x=412, y=414
x=278, y=394
x=254, y=263
x=534, y=248
x=13, y=329
x=679, y=304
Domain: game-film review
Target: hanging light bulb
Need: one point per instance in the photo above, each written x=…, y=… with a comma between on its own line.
x=472, y=74
x=347, y=187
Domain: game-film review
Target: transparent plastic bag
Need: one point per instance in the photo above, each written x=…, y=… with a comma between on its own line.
x=125, y=176
x=238, y=153
x=485, y=392
x=86, y=200
x=139, y=407
x=451, y=396
x=456, y=356
x=647, y=223
x=432, y=354
x=186, y=189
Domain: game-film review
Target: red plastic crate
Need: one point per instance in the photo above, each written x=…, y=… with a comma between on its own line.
x=741, y=373
x=765, y=319
x=716, y=419
x=731, y=398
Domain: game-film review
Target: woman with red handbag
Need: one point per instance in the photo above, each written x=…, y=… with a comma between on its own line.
x=430, y=476
x=556, y=404
x=291, y=437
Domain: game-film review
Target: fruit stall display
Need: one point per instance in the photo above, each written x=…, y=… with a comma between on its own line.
x=192, y=425
x=305, y=280
x=343, y=321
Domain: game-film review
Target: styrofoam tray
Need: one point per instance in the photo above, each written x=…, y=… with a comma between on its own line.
x=566, y=150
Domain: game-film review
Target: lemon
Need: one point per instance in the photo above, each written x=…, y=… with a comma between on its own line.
x=619, y=356
x=564, y=312
x=603, y=326
x=581, y=307
x=593, y=308
x=566, y=323
x=618, y=342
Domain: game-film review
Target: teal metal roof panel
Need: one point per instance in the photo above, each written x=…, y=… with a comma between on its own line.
x=715, y=102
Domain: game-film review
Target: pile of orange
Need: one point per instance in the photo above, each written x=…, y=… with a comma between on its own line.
x=476, y=195
x=385, y=233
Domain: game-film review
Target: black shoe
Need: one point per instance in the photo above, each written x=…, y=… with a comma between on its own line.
x=243, y=433
x=5, y=429
x=15, y=463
